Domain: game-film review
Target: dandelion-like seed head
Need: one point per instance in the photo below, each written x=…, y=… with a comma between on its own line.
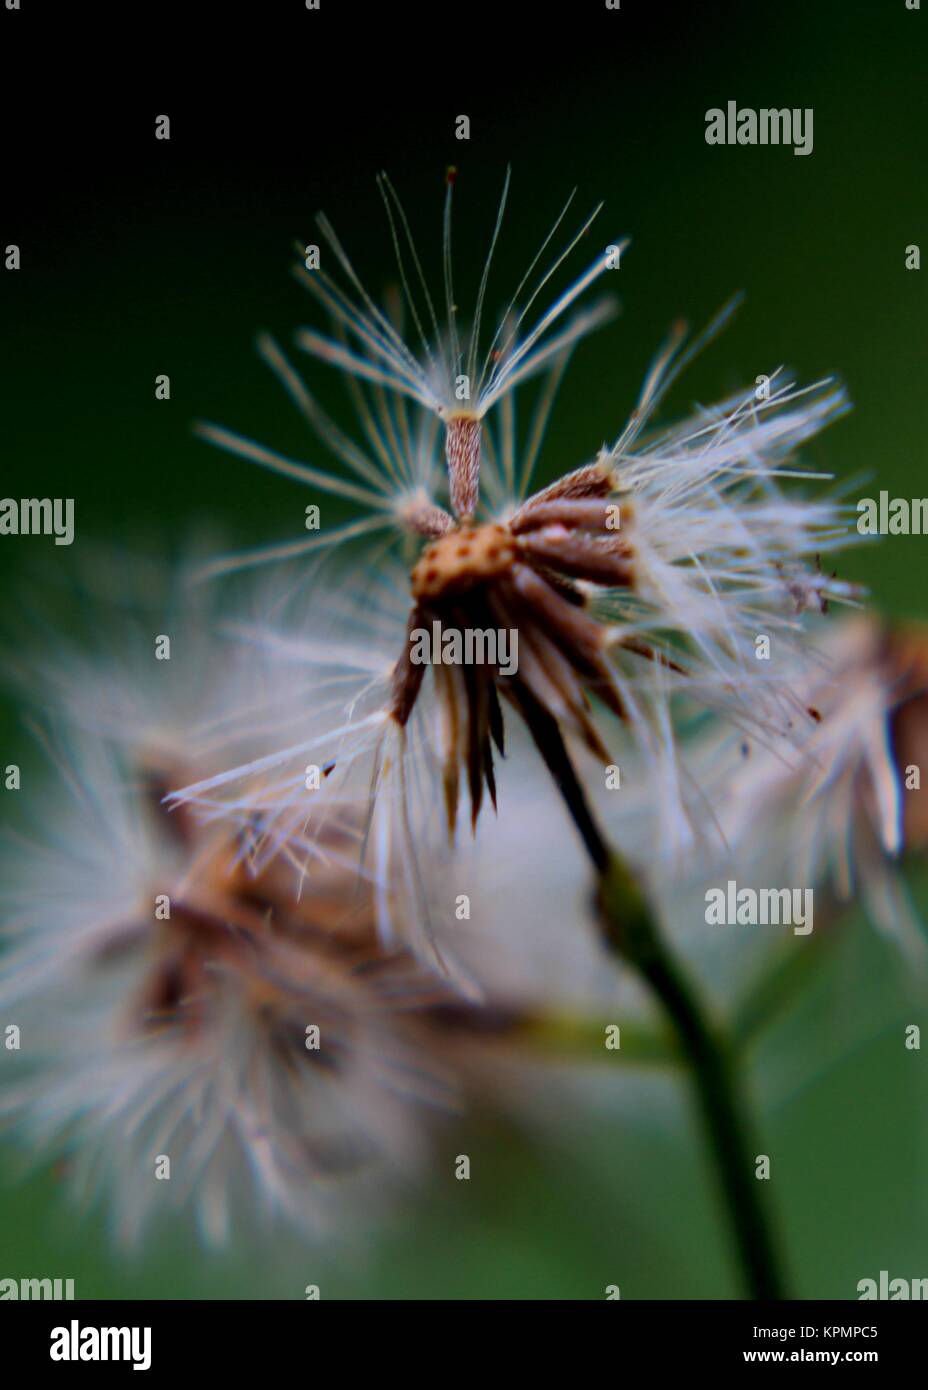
x=185, y=997
x=833, y=808
x=641, y=579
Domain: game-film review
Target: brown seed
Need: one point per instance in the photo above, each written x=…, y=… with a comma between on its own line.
x=462, y=560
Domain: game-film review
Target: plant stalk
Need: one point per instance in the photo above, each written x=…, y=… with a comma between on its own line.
x=631, y=932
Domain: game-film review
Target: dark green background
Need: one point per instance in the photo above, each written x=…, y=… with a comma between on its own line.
x=142, y=257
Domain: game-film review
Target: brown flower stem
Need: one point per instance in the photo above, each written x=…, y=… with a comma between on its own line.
x=549, y=741
x=631, y=932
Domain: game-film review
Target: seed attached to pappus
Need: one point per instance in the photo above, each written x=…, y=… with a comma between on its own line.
x=463, y=559
x=523, y=577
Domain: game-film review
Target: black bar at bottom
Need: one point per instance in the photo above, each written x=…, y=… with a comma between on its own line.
x=237, y=1339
